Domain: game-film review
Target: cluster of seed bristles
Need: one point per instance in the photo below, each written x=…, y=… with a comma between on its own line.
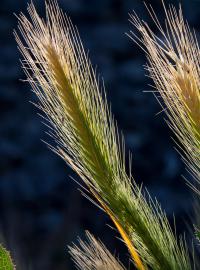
x=80, y=121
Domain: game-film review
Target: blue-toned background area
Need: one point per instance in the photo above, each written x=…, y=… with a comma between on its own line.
x=41, y=209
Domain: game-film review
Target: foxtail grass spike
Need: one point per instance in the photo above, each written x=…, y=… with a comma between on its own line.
x=174, y=65
x=62, y=77
x=93, y=255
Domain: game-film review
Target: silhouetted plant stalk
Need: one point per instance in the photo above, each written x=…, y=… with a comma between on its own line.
x=174, y=65
x=62, y=77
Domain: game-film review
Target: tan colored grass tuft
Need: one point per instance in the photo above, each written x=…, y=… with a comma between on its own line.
x=174, y=65
x=93, y=255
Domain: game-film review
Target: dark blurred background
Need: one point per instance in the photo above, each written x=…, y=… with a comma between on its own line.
x=41, y=209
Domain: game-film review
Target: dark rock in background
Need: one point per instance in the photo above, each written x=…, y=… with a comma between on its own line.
x=41, y=210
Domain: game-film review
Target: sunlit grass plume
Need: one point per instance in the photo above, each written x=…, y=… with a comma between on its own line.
x=81, y=122
x=174, y=65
